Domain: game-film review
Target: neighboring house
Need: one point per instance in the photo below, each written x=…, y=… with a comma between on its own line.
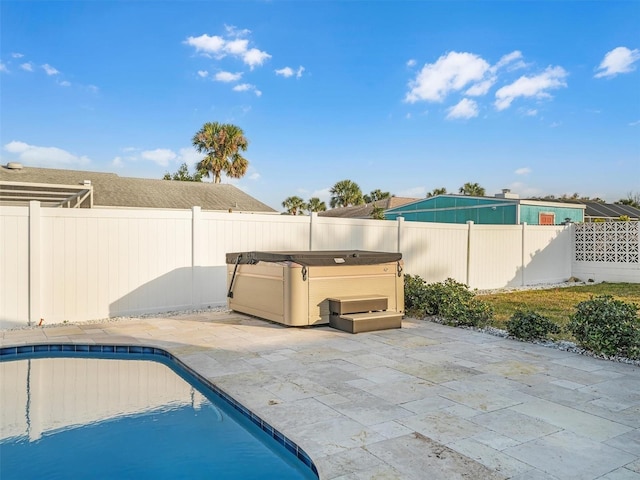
x=83, y=189
x=505, y=208
x=366, y=209
x=608, y=212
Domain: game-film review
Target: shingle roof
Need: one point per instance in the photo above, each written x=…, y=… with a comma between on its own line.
x=365, y=210
x=111, y=190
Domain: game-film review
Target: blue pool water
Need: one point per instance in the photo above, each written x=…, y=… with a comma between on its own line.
x=124, y=418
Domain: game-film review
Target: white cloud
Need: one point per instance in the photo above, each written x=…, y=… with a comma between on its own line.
x=536, y=86
x=247, y=87
x=28, y=66
x=203, y=73
x=93, y=88
x=189, y=155
x=618, y=60
x=207, y=44
x=289, y=72
x=233, y=31
x=161, y=156
x=324, y=194
x=508, y=59
x=243, y=87
x=464, y=109
x=555, y=124
x=17, y=55
x=33, y=155
x=411, y=62
x=220, y=47
x=634, y=124
x=65, y=83
x=117, y=162
x=451, y=72
x=255, y=57
x=532, y=112
x=49, y=69
x=285, y=72
x=236, y=47
x=254, y=176
x=523, y=171
x=228, y=76
x=481, y=88
x=3, y=67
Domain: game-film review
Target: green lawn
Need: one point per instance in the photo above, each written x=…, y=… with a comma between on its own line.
x=557, y=304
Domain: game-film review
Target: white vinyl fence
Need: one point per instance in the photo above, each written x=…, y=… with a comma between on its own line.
x=80, y=264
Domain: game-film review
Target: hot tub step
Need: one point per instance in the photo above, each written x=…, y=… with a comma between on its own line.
x=366, y=322
x=358, y=304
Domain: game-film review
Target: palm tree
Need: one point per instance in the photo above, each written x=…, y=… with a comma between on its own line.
x=345, y=193
x=376, y=195
x=294, y=205
x=316, y=205
x=221, y=143
x=377, y=213
x=437, y=191
x=472, y=189
x=633, y=200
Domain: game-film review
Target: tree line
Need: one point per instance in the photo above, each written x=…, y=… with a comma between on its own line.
x=222, y=145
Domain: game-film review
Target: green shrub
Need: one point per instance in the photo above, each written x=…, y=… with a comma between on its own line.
x=415, y=295
x=529, y=325
x=452, y=301
x=607, y=326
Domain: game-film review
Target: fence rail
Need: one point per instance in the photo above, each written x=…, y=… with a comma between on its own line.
x=81, y=264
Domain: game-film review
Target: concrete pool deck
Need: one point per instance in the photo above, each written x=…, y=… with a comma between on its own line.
x=426, y=401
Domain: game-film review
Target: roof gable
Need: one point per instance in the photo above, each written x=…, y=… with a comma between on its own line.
x=366, y=209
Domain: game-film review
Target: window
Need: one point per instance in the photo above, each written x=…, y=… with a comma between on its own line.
x=546, y=219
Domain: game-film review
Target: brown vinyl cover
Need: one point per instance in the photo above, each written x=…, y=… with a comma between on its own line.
x=315, y=258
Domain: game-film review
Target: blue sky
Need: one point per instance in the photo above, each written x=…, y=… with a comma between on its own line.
x=542, y=97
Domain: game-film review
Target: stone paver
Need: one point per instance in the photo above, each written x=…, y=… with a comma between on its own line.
x=426, y=401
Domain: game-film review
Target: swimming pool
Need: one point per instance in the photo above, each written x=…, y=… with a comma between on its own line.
x=120, y=412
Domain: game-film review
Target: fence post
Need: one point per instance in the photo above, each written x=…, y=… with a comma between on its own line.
x=34, y=262
x=523, y=247
x=313, y=218
x=400, y=221
x=196, y=259
x=469, y=243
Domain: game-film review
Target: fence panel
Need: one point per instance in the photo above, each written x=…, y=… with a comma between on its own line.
x=354, y=234
x=495, y=256
x=14, y=266
x=105, y=263
x=434, y=251
x=547, y=254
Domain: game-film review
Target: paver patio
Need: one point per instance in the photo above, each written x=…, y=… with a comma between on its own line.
x=426, y=401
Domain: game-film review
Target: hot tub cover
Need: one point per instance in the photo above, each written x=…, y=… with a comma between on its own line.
x=316, y=258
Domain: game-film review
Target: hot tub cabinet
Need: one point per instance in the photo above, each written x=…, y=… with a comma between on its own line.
x=353, y=290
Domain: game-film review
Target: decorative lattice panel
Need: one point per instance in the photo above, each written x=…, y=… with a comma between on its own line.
x=610, y=242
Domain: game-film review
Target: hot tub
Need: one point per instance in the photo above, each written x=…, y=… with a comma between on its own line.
x=300, y=288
